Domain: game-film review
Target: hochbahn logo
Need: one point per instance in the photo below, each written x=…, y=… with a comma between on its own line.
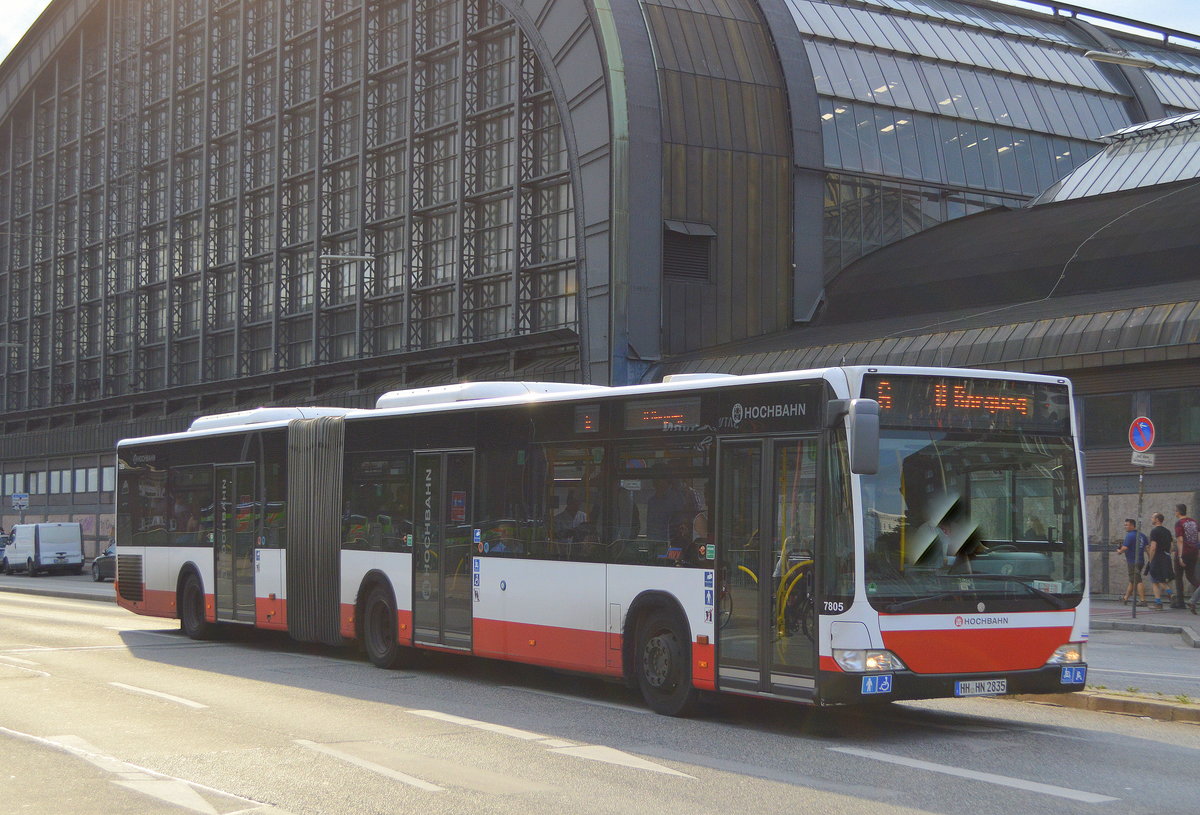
x=741, y=412
x=979, y=621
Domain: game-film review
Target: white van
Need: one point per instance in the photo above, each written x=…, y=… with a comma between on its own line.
x=44, y=548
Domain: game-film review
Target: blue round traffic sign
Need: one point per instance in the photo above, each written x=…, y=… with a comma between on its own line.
x=1141, y=434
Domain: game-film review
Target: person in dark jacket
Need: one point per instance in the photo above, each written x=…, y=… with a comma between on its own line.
x=1158, y=560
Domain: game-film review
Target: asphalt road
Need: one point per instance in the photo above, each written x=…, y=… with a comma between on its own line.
x=106, y=712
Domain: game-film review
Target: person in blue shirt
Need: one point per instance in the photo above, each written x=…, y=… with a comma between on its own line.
x=1134, y=549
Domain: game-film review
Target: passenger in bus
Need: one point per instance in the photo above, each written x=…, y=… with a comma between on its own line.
x=671, y=497
x=1036, y=530
x=569, y=519
x=681, y=546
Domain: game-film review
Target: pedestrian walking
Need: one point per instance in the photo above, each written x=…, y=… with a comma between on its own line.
x=1187, y=536
x=1134, y=549
x=1158, y=559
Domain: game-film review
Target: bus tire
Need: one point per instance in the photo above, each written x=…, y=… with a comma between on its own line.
x=379, y=628
x=663, y=664
x=29, y=571
x=191, y=609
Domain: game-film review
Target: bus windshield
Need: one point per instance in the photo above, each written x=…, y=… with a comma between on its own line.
x=960, y=522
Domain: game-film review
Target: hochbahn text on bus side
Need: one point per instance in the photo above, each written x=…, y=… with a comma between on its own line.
x=836, y=536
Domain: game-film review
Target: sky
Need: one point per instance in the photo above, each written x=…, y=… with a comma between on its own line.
x=1183, y=15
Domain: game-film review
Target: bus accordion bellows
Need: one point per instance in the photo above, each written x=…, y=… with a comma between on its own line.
x=835, y=536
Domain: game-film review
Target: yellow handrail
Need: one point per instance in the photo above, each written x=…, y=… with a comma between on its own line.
x=787, y=583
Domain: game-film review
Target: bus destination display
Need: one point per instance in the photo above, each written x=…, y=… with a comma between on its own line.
x=955, y=402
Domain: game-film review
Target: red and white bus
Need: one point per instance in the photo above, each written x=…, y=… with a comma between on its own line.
x=832, y=536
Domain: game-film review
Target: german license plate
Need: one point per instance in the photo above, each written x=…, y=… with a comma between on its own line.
x=980, y=687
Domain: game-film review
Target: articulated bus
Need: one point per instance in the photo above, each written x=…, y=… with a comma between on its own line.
x=835, y=536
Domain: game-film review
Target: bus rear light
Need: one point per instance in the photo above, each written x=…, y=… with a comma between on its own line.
x=1069, y=654
x=856, y=660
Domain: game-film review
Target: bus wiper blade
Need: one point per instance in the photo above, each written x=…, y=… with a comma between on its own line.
x=1053, y=600
x=916, y=601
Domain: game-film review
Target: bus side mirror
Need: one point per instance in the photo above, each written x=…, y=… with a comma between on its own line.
x=862, y=428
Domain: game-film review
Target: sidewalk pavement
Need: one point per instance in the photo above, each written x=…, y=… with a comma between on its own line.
x=1108, y=614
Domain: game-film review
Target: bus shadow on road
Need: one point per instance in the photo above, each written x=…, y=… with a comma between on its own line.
x=515, y=692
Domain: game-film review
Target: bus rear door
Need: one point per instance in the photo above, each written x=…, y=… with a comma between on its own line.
x=235, y=525
x=442, y=548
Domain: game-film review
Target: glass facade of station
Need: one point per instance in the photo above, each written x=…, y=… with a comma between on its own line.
x=175, y=176
x=932, y=109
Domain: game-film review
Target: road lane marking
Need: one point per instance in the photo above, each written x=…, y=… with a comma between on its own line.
x=18, y=660
x=503, y=730
x=143, y=780
x=591, y=752
x=33, y=671
x=568, y=698
x=609, y=755
x=177, y=699
x=403, y=778
x=975, y=775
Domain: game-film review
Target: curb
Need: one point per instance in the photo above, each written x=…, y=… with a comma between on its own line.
x=1125, y=705
x=1186, y=633
x=65, y=594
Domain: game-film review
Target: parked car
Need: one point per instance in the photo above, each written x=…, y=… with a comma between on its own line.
x=104, y=567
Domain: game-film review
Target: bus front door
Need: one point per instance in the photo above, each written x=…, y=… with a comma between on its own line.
x=235, y=524
x=442, y=548
x=767, y=499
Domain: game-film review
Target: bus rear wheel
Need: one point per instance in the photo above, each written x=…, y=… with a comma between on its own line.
x=191, y=610
x=663, y=664
x=379, y=628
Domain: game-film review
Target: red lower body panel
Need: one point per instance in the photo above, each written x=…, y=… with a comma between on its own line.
x=975, y=651
x=568, y=648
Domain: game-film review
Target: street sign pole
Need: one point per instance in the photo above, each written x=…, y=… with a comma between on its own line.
x=1141, y=439
x=1137, y=531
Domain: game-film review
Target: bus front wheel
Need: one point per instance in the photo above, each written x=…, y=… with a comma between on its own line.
x=379, y=628
x=191, y=609
x=663, y=664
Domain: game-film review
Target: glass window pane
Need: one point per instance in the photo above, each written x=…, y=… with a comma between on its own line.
x=1106, y=420
x=927, y=145
x=951, y=138
x=867, y=134
x=860, y=85
x=1050, y=107
x=1176, y=416
x=987, y=156
x=1025, y=166
x=889, y=147
x=833, y=154
x=848, y=143
x=820, y=71
x=906, y=137
x=969, y=144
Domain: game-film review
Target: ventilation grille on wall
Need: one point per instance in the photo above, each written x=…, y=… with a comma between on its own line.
x=687, y=251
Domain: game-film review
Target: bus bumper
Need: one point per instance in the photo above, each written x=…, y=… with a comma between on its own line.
x=835, y=688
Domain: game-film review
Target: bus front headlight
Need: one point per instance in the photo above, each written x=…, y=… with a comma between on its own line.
x=1069, y=654
x=857, y=660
